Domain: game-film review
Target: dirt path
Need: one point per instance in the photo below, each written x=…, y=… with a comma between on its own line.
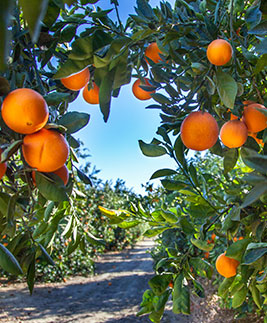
x=112, y=296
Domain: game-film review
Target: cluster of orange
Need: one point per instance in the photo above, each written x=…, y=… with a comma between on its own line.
x=200, y=131
x=25, y=111
x=152, y=52
x=77, y=81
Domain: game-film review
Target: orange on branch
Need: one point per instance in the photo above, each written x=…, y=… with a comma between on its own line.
x=254, y=119
x=3, y=167
x=140, y=93
x=199, y=131
x=213, y=237
x=25, y=111
x=77, y=81
x=226, y=266
x=152, y=52
x=219, y=52
x=62, y=172
x=91, y=96
x=45, y=150
x=234, y=133
x=206, y=255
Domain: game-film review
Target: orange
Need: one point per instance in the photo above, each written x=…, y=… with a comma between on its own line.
x=3, y=167
x=152, y=52
x=226, y=266
x=219, y=52
x=62, y=172
x=213, y=236
x=206, y=255
x=77, y=81
x=140, y=93
x=199, y=131
x=91, y=96
x=254, y=119
x=234, y=133
x=45, y=150
x=254, y=135
x=171, y=284
x=235, y=239
x=25, y=111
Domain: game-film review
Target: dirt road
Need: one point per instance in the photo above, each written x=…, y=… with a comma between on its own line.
x=112, y=296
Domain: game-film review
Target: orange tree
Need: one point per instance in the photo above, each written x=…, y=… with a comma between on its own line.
x=193, y=76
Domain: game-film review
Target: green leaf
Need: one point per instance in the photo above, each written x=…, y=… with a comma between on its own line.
x=46, y=255
x=163, y=172
x=160, y=98
x=169, y=216
x=145, y=9
x=5, y=15
x=203, y=245
x=71, y=67
x=181, y=296
x=154, y=231
x=257, y=191
x=237, y=249
x=260, y=29
x=48, y=211
x=74, y=121
x=179, y=151
x=254, y=160
x=84, y=178
x=94, y=240
x=128, y=225
x=51, y=14
x=261, y=48
x=173, y=185
x=254, y=255
x=34, y=12
x=151, y=150
x=230, y=159
x=52, y=187
x=224, y=286
x=10, y=150
x=193, y=174
x=55, y=98
x=239, y=297
x=187, y=227
x=31, y=274
x=82, y=49
x=227, y=88
x=159, y=283
x=8, y=262
x=261, y=64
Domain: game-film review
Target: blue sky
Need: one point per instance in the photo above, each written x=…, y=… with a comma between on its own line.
x=114, y=145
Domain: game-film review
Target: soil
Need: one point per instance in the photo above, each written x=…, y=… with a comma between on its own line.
x=113, y=295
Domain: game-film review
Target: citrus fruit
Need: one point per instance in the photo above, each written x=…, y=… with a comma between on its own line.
x=199, y=131
x=62, y=172
x=152, y=52
x=226, y=266
x=45, y=150
x=219, y=52
x=140, y=93
x=77, y=81
x=234, y=133
x=91, y=96
x=254, y=119
x=24, y=111
x=3, y=166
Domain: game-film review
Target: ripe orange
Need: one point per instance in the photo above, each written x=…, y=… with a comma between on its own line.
x=152, y=52
x=62, y=172
x=199, y=131
x=45, y=150
x=253, y=118
x=91, y=96
x=234, y=133
x=171, y=284
x=235, y=239
x=25, y=111
x=219, y=52
x=226, y=266
x=3, y=167
x=140, y=93
x=206, y=255
x=77, y=81
x=213, y=236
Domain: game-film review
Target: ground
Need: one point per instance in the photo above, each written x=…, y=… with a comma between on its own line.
x=113, y=295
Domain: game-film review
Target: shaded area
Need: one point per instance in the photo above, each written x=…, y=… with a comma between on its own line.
x=113, y=295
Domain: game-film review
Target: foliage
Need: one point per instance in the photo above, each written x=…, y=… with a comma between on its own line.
x=230, y=200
